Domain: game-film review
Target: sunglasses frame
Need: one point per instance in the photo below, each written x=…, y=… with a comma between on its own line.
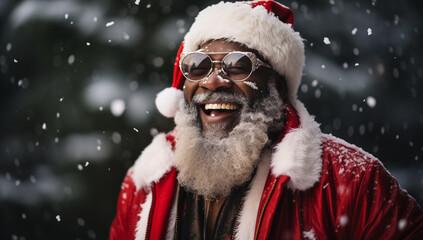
x=255, y=63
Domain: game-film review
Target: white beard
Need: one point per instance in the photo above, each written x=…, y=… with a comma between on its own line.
x=212, y=164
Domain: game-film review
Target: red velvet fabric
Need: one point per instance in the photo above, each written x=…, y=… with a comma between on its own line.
x=160, y=212
x=178, y=77
x=355, y=198
x=283, y=13
x=129, y=207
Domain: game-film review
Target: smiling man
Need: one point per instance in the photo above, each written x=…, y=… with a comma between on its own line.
x=246, y=160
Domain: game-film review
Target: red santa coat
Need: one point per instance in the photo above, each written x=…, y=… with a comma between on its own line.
x=312, y=186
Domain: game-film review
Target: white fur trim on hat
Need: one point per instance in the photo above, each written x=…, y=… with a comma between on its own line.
x=257, y=29
x=167, y=101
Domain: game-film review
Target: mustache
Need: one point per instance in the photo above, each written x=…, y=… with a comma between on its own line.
x=220, y=96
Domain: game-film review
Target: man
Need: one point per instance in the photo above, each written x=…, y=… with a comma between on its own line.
x=246, y=160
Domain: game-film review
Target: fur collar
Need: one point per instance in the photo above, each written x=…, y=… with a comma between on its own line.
x=298, y=156
x=153, y=163
x=299, y=153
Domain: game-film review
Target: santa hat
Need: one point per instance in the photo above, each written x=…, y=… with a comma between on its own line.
x=265, y=26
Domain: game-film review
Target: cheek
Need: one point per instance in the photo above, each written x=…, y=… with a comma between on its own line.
x=189, y=89
x=252, y=89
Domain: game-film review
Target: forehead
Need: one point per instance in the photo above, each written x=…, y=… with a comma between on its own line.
x=222, y=45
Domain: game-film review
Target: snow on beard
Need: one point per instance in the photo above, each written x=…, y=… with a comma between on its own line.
x=213, y=164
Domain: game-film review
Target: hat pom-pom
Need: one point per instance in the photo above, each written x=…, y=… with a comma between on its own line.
x=167, y=101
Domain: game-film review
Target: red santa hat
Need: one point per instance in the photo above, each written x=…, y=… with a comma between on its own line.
x=265, y=26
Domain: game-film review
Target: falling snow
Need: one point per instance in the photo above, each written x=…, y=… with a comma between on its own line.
x=356, y=52
x=354, y=31
x=309, y=235
x=369, y=31
x=58, y=218
x=252, y=85
x=8, y=47
x=110, y=24
x=223, y=79
x=402, y=223
x=345, y=65
x=326, y=41
x=154, y=132
x=117, y=107
x=71, y=59
x=116, y=137
x=32, y=178
x=81, y=222
x=396, y=19
x=371, y=101
x=343, y=220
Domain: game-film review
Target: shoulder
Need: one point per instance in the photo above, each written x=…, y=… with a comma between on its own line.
x=154, y=162
x=363, y=192
x=345, y=160
x=353, y=175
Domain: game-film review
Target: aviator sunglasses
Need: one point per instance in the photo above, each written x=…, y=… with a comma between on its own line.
x=236, y=66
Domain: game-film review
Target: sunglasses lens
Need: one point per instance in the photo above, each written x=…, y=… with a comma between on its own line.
x=237, y=66
x=196, y=66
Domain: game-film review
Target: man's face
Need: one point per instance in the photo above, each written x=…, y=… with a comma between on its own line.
x=227, y=143
x=253, y=88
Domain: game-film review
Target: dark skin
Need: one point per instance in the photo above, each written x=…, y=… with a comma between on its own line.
x=259, y=77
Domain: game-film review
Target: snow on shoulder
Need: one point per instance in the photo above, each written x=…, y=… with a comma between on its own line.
x=348, y=160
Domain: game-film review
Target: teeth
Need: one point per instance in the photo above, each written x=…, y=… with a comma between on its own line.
x=218, y=106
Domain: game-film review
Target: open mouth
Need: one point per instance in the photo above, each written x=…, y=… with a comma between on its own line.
x=219, y=113
x=215, y=109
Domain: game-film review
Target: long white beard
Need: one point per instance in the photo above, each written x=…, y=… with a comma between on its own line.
x=212, y=164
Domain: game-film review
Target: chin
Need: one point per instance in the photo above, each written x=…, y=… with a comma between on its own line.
x=213, y=157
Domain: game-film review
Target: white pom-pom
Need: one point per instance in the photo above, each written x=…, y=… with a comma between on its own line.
x=167, y=101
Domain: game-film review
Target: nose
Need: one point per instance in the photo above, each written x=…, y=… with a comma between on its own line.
x=215, y=81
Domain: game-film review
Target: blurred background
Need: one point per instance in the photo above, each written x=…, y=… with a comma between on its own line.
x=78, y=81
